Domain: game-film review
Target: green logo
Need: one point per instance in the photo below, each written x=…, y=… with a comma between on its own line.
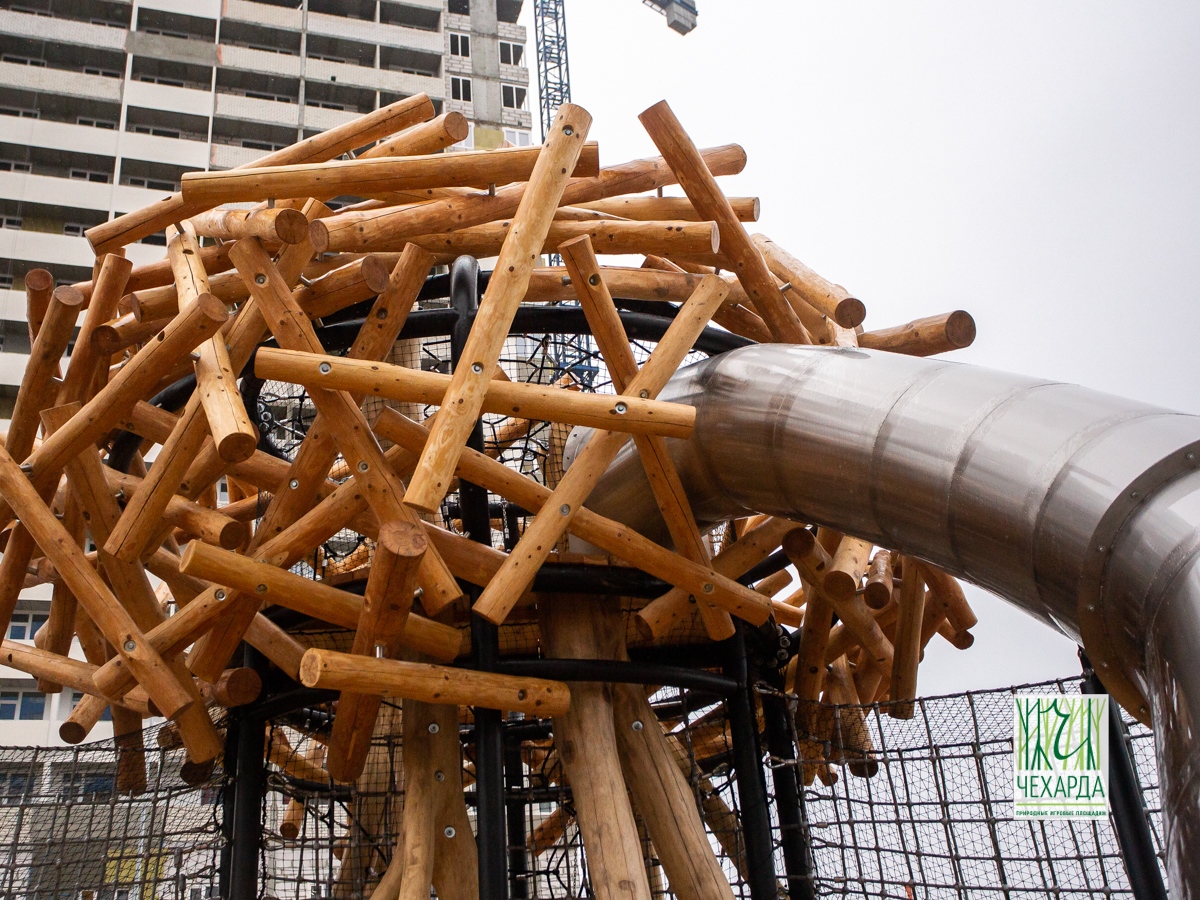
x=1060, y=750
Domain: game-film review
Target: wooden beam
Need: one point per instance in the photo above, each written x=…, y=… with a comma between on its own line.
x=924, y=337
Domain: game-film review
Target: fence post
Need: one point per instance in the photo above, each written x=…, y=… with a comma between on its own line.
x=1126, y=802
x=485, y=640
x=751, y=786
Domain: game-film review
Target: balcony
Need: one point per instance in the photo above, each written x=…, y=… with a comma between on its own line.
x=263, y=14
x=57, y=81
x=175, y=151
x=373, y=79
x=55, y=250
x=233, y=57
x=378, y=32
x=54, y=191
x=65, y=31
x=167, y=97
x=60, y=136
x=233, y=106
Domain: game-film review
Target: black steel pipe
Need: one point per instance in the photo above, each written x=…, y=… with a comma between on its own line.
x=747, y=763
x=789, y=800
x=619, y=672
x=251, y=780
x=1127, y=803
x=518, y=861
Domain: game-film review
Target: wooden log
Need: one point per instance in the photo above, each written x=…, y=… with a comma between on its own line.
x=159, y=274
x=428, y=137
x=533, y=401
x=273, y=585
x=85, y=361
x=216, y=380
x=364, y=177
x=278, y=225
x=948, y=594
x=56, y=635
x=963, y=640
x=48, y=666
x=363, y=230
x=209, y=525
x=586, y=740
x=851, y=735
x=279, y=751
x=658, y=208
x=375, y=340
x=827, y=298
x=908, y=642
x=543, y=532
x=235, y=687
x=38, y=386
x=146, y=664
x=432, y=683
x=664, y=799
x=613, y=343
x=352, y=283
x=878, y=592
x=347, y=423
x=611, y=536
x=39, y=288
x=123, y=333
x=385, y=609
x=293, y=816
x=326, y=145
x=924, y=337
x=666, y=239
x=660, y=615
x=701, y=188
x=510, y=278
x=818, y=619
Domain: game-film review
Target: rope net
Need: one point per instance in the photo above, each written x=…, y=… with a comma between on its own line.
x=934, y=820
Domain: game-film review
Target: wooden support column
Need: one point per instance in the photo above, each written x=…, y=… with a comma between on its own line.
x=610, y=337
x=908, y=640
x=386, y=604
x=710, y=202
x=542, y=534
x=585, y=736
x=510, y=278
x=85, y=362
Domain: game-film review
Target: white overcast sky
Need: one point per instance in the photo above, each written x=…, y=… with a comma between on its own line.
x=1032, y=163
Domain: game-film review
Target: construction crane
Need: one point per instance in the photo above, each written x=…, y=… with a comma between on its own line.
x=550, y=34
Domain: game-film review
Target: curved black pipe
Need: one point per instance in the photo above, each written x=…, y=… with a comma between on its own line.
x=171, y=398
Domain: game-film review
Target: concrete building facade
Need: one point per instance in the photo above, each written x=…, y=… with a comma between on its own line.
x=106, y=103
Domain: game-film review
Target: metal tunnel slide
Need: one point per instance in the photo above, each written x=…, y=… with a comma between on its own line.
x=1081, y=508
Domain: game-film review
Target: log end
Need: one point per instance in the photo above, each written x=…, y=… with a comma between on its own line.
x=105, y=340
x=212, y=308
x=193, y=773
x=69, y=295
x=289, y=831
x=310, y=668
x=755, y=210
x=864, y=768
x=588, y=164
x=403, y=539
x=234, y=536
x=237, y=687
x=456, y=126
x=38, y=281
x=72, y=732
x=851, y=312
x=716, y=238
x=374, y=273
x=291, y=226
x=840, y=586
x=798, y=543
x=237, y=446
x=318, y=235
x=876, y=595
x=960, y=329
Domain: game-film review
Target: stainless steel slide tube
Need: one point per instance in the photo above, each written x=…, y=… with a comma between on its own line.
x=1081, y=508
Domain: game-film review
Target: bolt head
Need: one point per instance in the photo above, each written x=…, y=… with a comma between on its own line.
x=260, y=589
x=363, y=465
x=294, y=483
x=433, y=728
x=521, y=695
x=637, y=725
x=220, y=595
x=1190, y=457
x=130, y=646
x=594, y=280
x=439, y=775
x=708, y=588
x=568, y=130
x=325, y=368
x=260, y=279
x=622, y=409
x=449, y=832
x=565, y=509
x=477, y=368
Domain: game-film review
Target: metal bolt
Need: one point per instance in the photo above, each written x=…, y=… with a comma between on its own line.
x=294, y=483
x=449, y=832
x=593, y=280
x=644, y=394
x=1091, y=607
x=476, y=368
x=622, y=409
x=566, y=280
x=27, y=468
x=1190, y=457
x=433, y=728
x=521, y=695
x=786, y=286
x=325, y=368
x=439, y=775
x=1133, y=495
x=130, y=646
x=568, y=130
x=637, y=725
x=260, y=589
x=708, y=588
x=1099, y=549
x=363, y=465
x=220, y=595
x=565, y=509
x=260, y=279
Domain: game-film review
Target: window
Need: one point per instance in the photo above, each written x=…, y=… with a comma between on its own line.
x=13, y=222
x=460, y=45
x=86, y=786
x=460, y=89
x=510, y=54
x=31, y=10
x=6, y=281
x=323, y=104
x=95, y=123
x=17, y=111
x=158, y=79
x=262, y=95
x=327, y=58
x=65, y=708
x=516, y=138
x=89, y=175
x=8, y=165
x=261, y=145
x=152, y=184
x=107, y=73
x=157, y=132
x=512, y=96
x=22, y=60
x=24, y=625
x=73, y=229
x=166, y=33
x=28, y=706
x=15, y=786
